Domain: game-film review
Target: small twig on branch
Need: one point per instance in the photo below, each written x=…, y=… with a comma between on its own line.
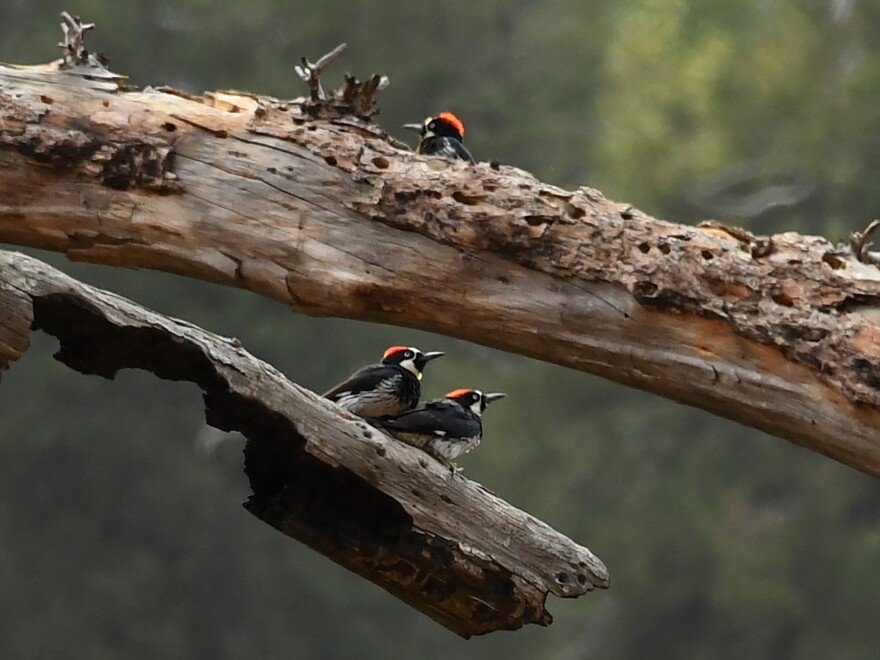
x=75, y=53
x=78, y=60
x=311, y=72
x=861, y=246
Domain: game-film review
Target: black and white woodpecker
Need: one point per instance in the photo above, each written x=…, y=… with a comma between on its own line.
x=445, y=428
x=442, y=136
x=390, y=387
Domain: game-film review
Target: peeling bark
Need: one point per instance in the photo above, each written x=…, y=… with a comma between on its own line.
x=379, y=507
x=326, y=213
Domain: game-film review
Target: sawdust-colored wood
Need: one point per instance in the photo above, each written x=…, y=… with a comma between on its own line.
x=379, y=507
x=324, y=212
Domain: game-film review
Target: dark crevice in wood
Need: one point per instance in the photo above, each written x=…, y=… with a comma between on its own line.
x=92, y=345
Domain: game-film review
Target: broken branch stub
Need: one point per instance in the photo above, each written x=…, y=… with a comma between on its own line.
x=861, y=245
x=76, y=59
x=75, y=53
x=359, y=98
x=378, y=507
x=354, y=98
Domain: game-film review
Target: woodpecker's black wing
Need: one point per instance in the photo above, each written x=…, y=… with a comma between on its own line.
x=446, y=147
x=363, y=380
x=377, y=391
x=461, y=151
x=439, y=419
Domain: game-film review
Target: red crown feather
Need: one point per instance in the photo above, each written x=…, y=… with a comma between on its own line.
x=393, y=349
x=454, y=394
x=452, y=119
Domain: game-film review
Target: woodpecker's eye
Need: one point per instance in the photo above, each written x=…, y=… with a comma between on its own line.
x=407, y=354
x=433, y=125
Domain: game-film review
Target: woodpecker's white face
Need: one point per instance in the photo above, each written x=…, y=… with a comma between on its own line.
x=428, y=128
x=477, y=406
x=475, y=400
x=472, y=399
x=408, y=362
x=410, y=358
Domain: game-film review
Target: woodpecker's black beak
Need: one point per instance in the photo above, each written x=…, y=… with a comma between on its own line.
x=432, y=355
x=414, y=127
x=494, y=396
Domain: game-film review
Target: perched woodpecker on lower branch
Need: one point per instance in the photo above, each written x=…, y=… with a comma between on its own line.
x=389, y=388
x=444, y=428
x=442, y=136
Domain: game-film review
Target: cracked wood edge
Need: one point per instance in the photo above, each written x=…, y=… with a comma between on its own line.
x=381, y=508
x=333, y=218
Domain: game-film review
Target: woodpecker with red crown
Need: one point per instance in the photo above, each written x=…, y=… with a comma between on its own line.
x=389, y=388
x=445, y=428
x=442, y=136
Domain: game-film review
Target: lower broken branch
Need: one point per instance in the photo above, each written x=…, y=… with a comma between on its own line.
x=380, y=508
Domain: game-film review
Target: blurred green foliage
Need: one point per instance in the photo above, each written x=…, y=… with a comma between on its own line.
x=121, y=535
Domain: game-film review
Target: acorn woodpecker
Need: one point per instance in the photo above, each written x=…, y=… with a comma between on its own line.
x=444, y=428
x=388, y=388
x=442, y=136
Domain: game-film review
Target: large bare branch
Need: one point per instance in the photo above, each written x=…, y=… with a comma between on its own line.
x=381, y=508
x=324, y=212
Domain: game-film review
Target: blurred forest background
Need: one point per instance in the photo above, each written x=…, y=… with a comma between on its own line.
x=121, y=530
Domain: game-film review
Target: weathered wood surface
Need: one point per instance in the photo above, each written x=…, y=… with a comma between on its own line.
x=385, y=510
x=331, y=217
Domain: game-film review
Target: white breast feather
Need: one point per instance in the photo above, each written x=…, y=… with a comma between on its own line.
x=450, y=449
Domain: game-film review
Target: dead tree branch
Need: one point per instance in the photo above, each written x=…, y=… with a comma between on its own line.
x=383, y=509
x=332, y=217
